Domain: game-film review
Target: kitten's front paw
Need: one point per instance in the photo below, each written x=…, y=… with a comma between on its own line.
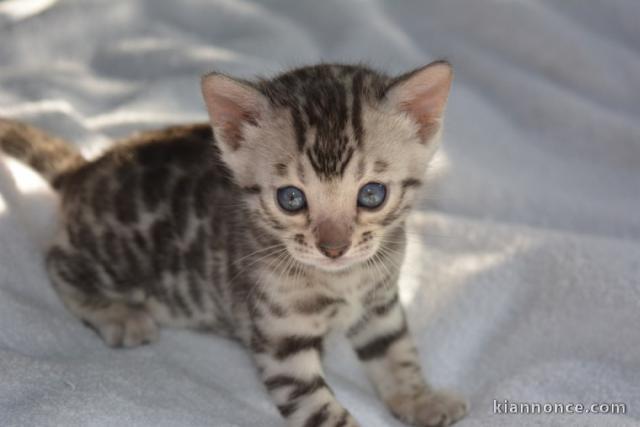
x=429, y=409
x=120, y=325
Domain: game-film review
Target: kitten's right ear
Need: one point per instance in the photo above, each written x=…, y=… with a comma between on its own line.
x=422, y=95
x=232, y=105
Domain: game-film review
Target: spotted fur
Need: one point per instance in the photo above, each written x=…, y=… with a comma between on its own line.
x=180, y=227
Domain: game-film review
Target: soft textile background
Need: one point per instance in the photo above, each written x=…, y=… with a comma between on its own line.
x=523, y=274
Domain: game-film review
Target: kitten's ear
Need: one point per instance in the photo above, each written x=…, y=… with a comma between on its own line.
x=232, y=105
x=422, y=94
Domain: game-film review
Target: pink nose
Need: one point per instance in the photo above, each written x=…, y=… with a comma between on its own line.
x=334, y=238
x=334, y=249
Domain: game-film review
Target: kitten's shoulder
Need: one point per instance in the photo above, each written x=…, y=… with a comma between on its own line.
x=184, y=145
x=190, y=148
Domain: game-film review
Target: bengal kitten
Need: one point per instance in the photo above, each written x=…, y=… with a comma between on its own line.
x=282, y=220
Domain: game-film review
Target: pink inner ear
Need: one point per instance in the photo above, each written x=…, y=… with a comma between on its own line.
x=424, y=110
x=231, y=105
x=423, y=95
x=230, y=117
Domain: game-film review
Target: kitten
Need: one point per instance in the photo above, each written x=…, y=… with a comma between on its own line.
x=277, y=223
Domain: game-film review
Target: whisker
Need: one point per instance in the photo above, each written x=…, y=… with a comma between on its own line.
x=258, y=251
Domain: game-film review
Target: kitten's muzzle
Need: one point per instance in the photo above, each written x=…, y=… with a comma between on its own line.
x=333, y=238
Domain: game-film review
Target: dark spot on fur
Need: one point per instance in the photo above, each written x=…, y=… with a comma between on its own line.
x=280, y=169
x=316, y=304
x=292, y=345
x=287, y=409
x=411, y=182
x=380, y=166
x=378, y=347
x=384, y=309
x=318, y=418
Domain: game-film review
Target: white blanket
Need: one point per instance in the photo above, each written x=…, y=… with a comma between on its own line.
x=523, y=274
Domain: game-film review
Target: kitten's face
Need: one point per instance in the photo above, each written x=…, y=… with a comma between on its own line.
x=330, y=165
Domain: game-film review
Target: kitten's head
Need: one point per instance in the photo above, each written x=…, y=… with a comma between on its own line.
x=330, y=156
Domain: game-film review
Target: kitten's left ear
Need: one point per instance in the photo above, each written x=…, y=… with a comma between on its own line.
x=422, y=94
x=232, y=105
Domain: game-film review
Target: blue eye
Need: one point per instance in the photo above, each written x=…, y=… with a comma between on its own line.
x=372, y=195
x=291, y=199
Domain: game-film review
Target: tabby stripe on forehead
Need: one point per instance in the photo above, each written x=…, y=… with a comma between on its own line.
x=346, y=161
x=299, y=126
x=292, y=345
x=314, y=164
x=356, y=107
x=378, y=346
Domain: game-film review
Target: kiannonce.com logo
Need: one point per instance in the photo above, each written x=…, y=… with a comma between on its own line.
x=505, y=407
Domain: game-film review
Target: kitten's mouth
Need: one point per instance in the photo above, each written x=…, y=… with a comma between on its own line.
x=338, y=264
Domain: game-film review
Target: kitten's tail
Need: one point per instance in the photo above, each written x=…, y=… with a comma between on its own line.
x=48, y=155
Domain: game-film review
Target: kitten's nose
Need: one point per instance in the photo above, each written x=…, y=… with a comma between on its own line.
x=334, y=249
x=334, y=238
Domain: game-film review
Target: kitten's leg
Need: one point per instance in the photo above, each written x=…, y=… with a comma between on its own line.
x=382, y=342
x=290, y=366
x=121, y=320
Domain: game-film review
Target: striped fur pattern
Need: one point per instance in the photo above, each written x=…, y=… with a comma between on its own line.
x=181, y=227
